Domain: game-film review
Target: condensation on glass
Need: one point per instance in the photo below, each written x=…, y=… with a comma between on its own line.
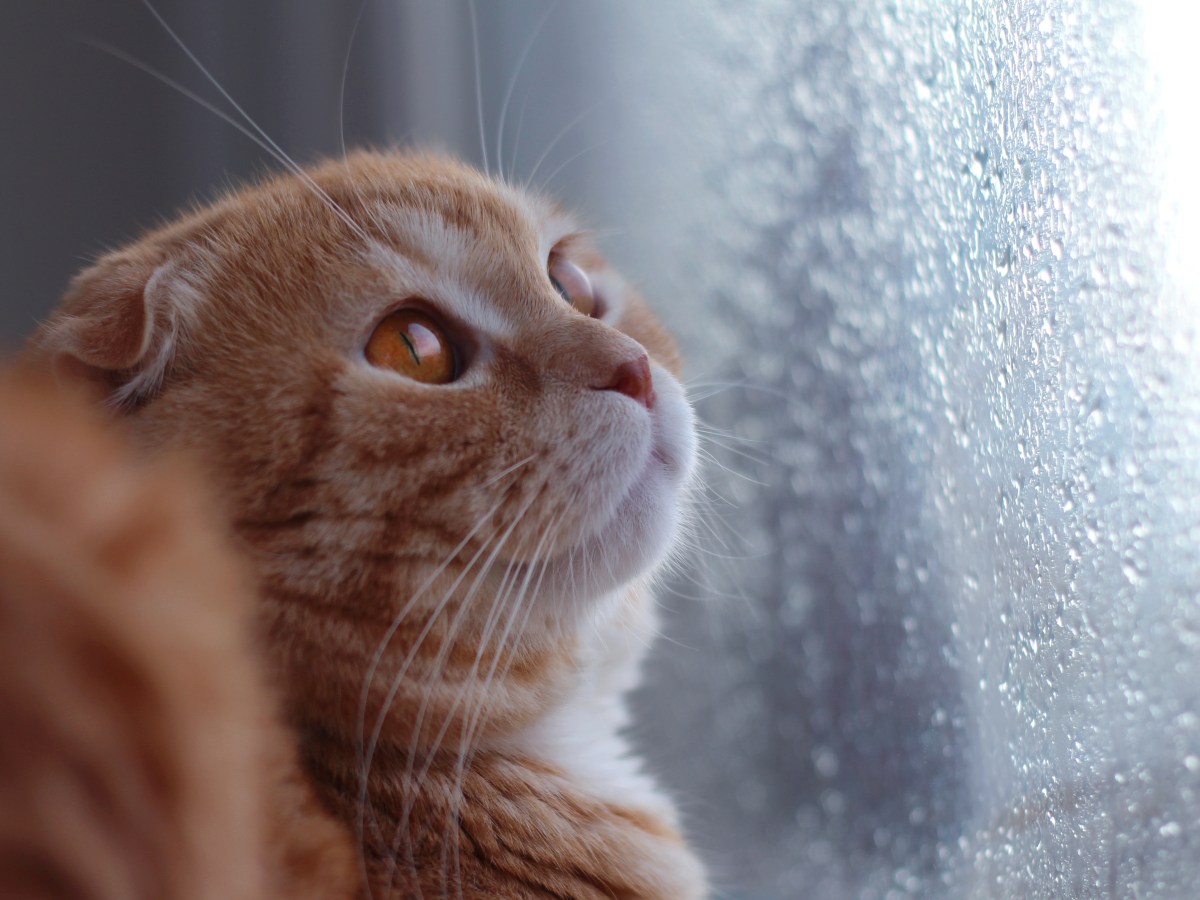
x=946, y=249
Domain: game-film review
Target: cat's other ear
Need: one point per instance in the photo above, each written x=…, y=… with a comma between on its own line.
x=117, y=328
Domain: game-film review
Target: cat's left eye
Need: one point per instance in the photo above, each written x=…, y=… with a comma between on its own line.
x=415, y=345
x=572, y=284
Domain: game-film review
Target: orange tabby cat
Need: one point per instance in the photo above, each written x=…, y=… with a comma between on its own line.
x=448, y=440
x=139, y=754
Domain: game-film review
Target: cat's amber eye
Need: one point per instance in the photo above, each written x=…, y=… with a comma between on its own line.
x=412, y=343
x=572, y=284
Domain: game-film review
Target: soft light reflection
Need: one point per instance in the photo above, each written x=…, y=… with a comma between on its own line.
x=1170, y=29
x=961, y=239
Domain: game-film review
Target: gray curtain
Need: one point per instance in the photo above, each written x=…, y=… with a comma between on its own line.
x=97, y=149
x=931, y=265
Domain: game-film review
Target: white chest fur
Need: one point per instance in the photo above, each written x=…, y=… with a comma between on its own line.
x=582, y=735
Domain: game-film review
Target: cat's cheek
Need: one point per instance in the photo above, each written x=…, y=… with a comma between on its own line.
x=642, y=529
x=675, y=444
x=656, y=501
x=655, y=513
x=641, y=533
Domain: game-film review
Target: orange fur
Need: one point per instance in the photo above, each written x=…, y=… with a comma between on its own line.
x=139, y=757
x=433, y=564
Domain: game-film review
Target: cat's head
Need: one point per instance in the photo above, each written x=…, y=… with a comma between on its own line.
x=421, y=391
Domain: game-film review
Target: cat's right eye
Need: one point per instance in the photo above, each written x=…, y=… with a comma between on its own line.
x=413, y=344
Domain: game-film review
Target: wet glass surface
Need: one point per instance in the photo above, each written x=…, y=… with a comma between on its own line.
x=962, y=658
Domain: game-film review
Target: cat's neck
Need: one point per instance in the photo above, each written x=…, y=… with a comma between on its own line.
x=555, y=807
x=516, y=827
x=582, y=731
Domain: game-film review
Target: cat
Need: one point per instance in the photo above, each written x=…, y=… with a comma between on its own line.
x=140, y=752
x=452, y=449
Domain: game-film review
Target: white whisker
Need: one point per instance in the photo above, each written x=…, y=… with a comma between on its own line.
x=438, y=666
x=394, y=687
x=745, y=454
x=498, y=603
x=479, y=85
x=279, y=151
x=512, y=169
x=718, y=387
x=365, y=755
x=563, y=132
x=362, y=8
x=537, y=28
x=124, y=57
x=373, y=667
x=476, y=716
x=704, y=428
x=706, y=454
x=509, y=470
x=570, y=159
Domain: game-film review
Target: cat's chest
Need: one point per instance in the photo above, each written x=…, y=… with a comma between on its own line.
x=582, y=734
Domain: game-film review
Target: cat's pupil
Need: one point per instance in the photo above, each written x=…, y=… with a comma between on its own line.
x=562, y=291
x=415, y=345
x=411, y=348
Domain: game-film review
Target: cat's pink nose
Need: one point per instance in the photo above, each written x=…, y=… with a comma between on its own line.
x=632, y=378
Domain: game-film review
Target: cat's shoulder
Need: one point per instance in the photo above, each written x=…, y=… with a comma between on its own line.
x=139, y=756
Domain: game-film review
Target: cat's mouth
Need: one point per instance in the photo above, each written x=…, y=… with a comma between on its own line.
x=663, y=459
x=639, y=531
x=674, y=434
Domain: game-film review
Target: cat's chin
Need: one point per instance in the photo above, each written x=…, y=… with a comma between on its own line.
x=641, y=530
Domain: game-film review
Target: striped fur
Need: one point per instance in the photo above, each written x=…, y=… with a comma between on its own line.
x=451, y=578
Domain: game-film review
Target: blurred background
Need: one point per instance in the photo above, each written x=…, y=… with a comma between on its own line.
x=933, y=265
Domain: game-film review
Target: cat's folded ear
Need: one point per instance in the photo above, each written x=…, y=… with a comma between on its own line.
x=117, y=329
